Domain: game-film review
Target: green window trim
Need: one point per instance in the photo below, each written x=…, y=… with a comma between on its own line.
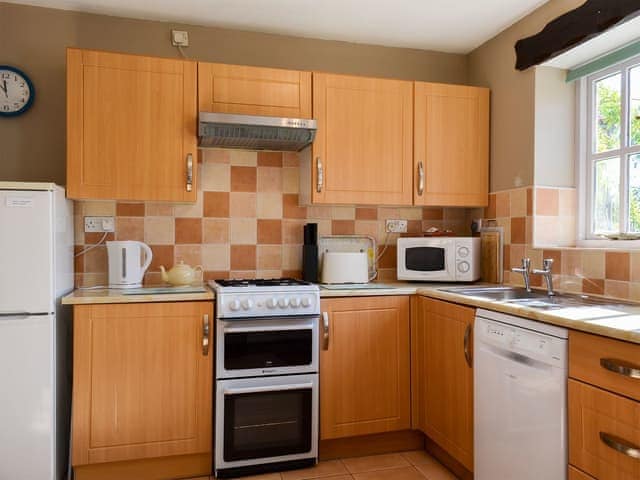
x=605, y=61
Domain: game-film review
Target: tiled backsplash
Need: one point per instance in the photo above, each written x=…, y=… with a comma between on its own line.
x=246, y=222
x=546, y=216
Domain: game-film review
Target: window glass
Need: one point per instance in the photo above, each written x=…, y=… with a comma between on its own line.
x=634, y=106
x=608, y=107
x=606, y=202
x=634, y=193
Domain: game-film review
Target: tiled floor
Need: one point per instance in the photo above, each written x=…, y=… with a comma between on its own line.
x=416, y=465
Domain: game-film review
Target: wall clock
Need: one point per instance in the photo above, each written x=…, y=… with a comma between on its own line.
x=16, y=91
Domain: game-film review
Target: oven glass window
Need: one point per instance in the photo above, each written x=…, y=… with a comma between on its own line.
x=285, y=348
x=425, y=259
x=267, y=424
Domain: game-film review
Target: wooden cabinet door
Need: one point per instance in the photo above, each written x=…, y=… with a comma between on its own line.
x=442, y=377
x=451, y=145
x=254, y=90
x=364, y=367
x=142, y=381
x=131, y=127
x=363, y=145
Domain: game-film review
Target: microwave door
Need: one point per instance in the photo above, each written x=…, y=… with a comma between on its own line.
x=430, y=262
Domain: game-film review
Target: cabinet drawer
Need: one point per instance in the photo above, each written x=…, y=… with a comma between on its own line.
x=575, y=474
x=604, y=433
x=609, y=364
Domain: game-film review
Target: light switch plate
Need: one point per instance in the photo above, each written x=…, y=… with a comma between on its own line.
x=396, y=226
x=99, y=224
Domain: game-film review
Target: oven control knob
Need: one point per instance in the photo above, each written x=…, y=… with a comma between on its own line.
x=272, y=302
x=463, y=251
x=283, y=302
x=306, y=302
x=295, y=302
x=234, y=305
x=247, y=303
x=463, y=267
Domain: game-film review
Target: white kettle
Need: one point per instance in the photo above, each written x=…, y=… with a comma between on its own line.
x=126, y=267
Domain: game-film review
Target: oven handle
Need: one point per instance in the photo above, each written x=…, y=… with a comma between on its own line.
x=273, y=328
x=270, y=388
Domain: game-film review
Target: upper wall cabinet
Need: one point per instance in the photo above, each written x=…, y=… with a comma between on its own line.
x=451, y=145
x=364, y=144
x=254, y=90
x=131, y=127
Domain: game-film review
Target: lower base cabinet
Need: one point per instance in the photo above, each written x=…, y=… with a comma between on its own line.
x=364, y=366
x=142, y=385
x=575, y=474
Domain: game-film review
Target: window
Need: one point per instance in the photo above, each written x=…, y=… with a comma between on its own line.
x=611, y=178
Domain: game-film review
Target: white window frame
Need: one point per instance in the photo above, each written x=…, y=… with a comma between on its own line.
x=586, y=157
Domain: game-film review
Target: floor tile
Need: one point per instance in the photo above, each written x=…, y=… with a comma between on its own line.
x=435, y=471
x=322, y=469
x=264, y=476
x=403, y=473
x=417, y=457
x=375, y=462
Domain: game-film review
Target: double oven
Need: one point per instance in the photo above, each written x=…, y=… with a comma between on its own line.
x=266, y=397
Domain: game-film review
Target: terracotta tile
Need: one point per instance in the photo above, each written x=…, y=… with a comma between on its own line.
x=293, y=231
x=192, y=210
x=404, y=473
x=503, y=204
x=417, y=457
x=243, y=231
x=162, y=255
x=157, y=209
x=292, y=274
x=216, y=257
x=215, y=275
x=216, y=155
x=243, y=257
x=216, y=204
x=366, y=213
x=506, y=257
x=518, y=202
x=435, y=471
x=329, y=468
x=243, y=179
x=375, y=462
x=389, y=257
x=290, y=159
x=593, y=285
x=269, y=159
x=556, y=255
x=188, y=230
x=414, y=227
x=269, y=179
x=91, y=238
x=130, y=228
x=129, y=209
x=242, y=204
x=269, y=257
x=617, y=266
x=635, y=266
x=343, y=227
x=215, y=177
x=516, y=255
x=387, y=275
x=319, y=211
x=247, y=274
x=529, y=201
x=290, y=180
x=292, y=257
x=518, y=230
x=617, y=289
x=269, y=231
x=189, y=254
x=98, y=208
x=343, y=213
x=547, y=201
x=290, y=207
x=269, y=205
x=432, y=213
x=78, y=261
x=215, y=230
x=370, y=227
x=490, y=210
x=95, y=260
x=159, y=230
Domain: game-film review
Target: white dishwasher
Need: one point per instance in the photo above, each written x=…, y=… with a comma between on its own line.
x=520, y=399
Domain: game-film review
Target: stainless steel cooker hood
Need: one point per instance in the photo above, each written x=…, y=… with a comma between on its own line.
x=254, y=132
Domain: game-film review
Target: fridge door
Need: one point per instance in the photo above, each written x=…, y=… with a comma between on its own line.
x=26, y=251
x=26, y=402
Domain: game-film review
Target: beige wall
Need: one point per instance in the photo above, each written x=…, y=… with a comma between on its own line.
x=512, y=97
x=34, y=39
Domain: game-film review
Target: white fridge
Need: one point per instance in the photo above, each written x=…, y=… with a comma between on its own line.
x=36, y=270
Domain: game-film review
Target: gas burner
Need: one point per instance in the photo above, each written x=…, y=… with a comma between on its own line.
x=262, y=282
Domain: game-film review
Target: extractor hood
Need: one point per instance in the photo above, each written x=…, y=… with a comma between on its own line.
x=253, y=132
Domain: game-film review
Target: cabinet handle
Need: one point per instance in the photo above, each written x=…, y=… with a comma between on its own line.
x=420, y=178
x=467, y=352
x=621, y=367
x=205, y=334
x=319, y=175
x=189, y=172
x=620, y=445
x=325, y=331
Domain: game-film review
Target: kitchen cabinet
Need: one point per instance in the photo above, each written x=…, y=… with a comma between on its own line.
x=575, y=474
x=363, y=149
x=451, y=145
x=131, y=127
x=364, y=366
x=604, y=407
x=142, y=383
x=442, y=375
x=254, y=90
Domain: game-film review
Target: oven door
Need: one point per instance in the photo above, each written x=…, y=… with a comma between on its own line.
x=271, y=346
x=427, y=262
x=266, y=420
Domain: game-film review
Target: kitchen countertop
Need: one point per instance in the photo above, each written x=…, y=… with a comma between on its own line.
x=109, y=295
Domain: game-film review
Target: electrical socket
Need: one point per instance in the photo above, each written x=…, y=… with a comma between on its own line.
x=179, y=38
x=99, y=224
x=396, y=226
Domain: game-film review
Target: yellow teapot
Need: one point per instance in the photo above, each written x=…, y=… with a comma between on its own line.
x=181, y=274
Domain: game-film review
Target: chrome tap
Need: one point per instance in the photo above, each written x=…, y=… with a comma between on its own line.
x=547, y=263
x=524, y=270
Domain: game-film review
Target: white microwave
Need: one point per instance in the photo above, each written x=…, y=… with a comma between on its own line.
x=439, y=259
